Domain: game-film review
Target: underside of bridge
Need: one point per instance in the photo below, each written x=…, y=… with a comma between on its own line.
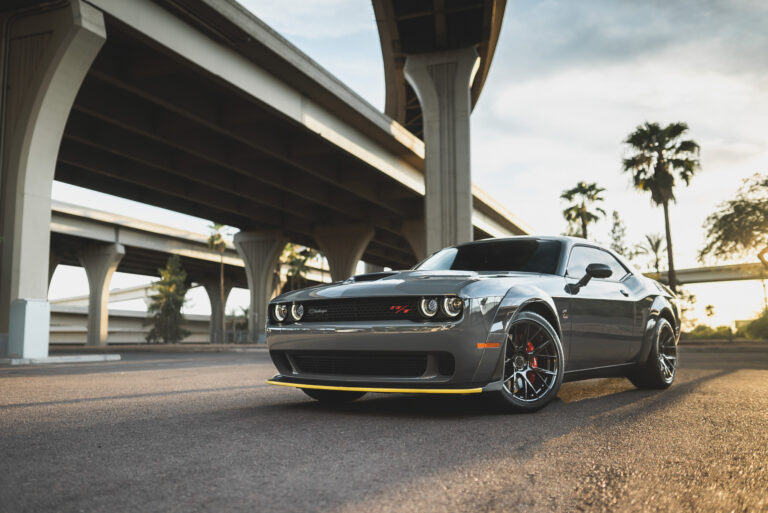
x=197, y=106
x=149, y=127
x=408, y=27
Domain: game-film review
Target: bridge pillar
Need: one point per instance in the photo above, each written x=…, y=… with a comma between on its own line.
x=414, y=233
x=99, y=263
x=260, y=250
x=49, y=51
x=373, y=268
x=212, y=287
x=442, y=82
x=343, y=245
x=53, y=262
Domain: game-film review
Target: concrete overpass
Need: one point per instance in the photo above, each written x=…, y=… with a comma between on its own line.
x=735, y=272
x=199, y=107
x=140, y=247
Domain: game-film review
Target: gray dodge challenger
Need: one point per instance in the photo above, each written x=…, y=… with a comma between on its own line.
x=512, y=317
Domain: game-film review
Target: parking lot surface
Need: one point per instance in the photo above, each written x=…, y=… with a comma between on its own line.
x=203, y=432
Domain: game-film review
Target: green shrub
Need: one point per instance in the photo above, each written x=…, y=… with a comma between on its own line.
x=704, y=332
x=758, y=329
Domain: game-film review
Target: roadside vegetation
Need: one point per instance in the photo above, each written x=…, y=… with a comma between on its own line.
x=583, y=209
x=167, y=301
x=657, y=157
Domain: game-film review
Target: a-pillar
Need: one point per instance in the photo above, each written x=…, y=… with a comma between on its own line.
x=260, y=250
x=100, y=263
x=213, y=288
x=414, y=233
x=343, y=246
x=47, y=53
x=442, y=82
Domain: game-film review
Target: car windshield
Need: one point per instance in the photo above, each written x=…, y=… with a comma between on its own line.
x=524, y=255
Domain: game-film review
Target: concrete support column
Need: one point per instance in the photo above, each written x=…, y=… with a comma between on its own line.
x=213, y=289
x=48, y=54
x=53, y=262
x=373, y=268
x=260, y=251
x=414, y=233
x=99, y=263
x=343, y=245
x=442, y=81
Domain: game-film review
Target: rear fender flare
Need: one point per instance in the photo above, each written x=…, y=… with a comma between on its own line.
x=661, y=307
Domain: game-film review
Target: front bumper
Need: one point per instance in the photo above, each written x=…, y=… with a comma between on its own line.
x=298, y=383
x=475, y=353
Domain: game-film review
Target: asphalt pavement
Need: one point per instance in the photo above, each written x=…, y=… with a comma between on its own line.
x=203, y=432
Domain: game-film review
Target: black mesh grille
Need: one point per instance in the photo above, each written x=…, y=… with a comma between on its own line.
x=361, y=309
x=359, y=363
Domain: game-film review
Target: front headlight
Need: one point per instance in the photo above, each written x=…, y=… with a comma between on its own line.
x=428, y=307
x=280, y=312
x=297, y=311
x=452, y=306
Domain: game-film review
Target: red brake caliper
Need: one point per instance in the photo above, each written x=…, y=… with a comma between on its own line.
x=534, y=363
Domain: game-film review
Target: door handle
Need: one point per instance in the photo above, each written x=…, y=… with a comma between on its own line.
x=624, y=292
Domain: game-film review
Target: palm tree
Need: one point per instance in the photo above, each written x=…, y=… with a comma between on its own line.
x=652, y=245
x=656, y=157
x=585, y=195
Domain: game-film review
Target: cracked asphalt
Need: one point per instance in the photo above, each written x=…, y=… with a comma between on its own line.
x=202, y=432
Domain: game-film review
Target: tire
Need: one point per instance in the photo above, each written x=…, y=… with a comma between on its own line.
x=658, y=371
x=332, y=396
x=531, y=378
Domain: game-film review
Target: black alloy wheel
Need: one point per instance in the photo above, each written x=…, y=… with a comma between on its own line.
x=533, y=363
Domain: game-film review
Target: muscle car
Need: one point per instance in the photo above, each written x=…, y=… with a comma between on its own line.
x=513, y=317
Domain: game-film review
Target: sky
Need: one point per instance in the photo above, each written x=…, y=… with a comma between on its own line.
x=569, y=81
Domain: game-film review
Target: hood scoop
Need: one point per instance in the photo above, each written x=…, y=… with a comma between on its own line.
x=370, y=276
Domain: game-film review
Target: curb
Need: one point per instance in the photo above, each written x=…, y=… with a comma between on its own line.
x=81, y=358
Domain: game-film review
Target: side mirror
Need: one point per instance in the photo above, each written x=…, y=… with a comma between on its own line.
x=599, y=271
x=593, y=271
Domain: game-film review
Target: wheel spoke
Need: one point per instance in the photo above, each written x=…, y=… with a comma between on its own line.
x=535, y=334
x=522, y=380
x=538, y=350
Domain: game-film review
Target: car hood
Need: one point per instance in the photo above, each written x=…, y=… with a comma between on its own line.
x=414, y=283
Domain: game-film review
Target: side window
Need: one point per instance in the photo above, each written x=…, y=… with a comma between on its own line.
x=582, y=256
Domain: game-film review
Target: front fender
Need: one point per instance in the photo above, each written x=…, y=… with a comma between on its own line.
x=516, y=300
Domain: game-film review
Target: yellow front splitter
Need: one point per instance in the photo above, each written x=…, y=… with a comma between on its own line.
x=382, y=390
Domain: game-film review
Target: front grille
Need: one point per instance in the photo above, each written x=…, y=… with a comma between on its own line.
x=361, y=309
x=360, y=363
x=364, y=363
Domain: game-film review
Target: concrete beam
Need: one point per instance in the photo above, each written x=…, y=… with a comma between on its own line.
x=735, y=272
x=221, y=61
x=49, y=54
x=442, y=81
x=261, y=252
x=343, y=245
x=100, y=263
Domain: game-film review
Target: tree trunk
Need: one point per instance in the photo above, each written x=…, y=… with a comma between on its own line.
x=583, y=227
x=670, y=259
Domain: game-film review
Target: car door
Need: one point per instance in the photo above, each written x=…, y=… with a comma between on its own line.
x=602, y=313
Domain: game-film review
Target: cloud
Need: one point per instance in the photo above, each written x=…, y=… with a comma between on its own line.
x=544, y=36
x=571, y=79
